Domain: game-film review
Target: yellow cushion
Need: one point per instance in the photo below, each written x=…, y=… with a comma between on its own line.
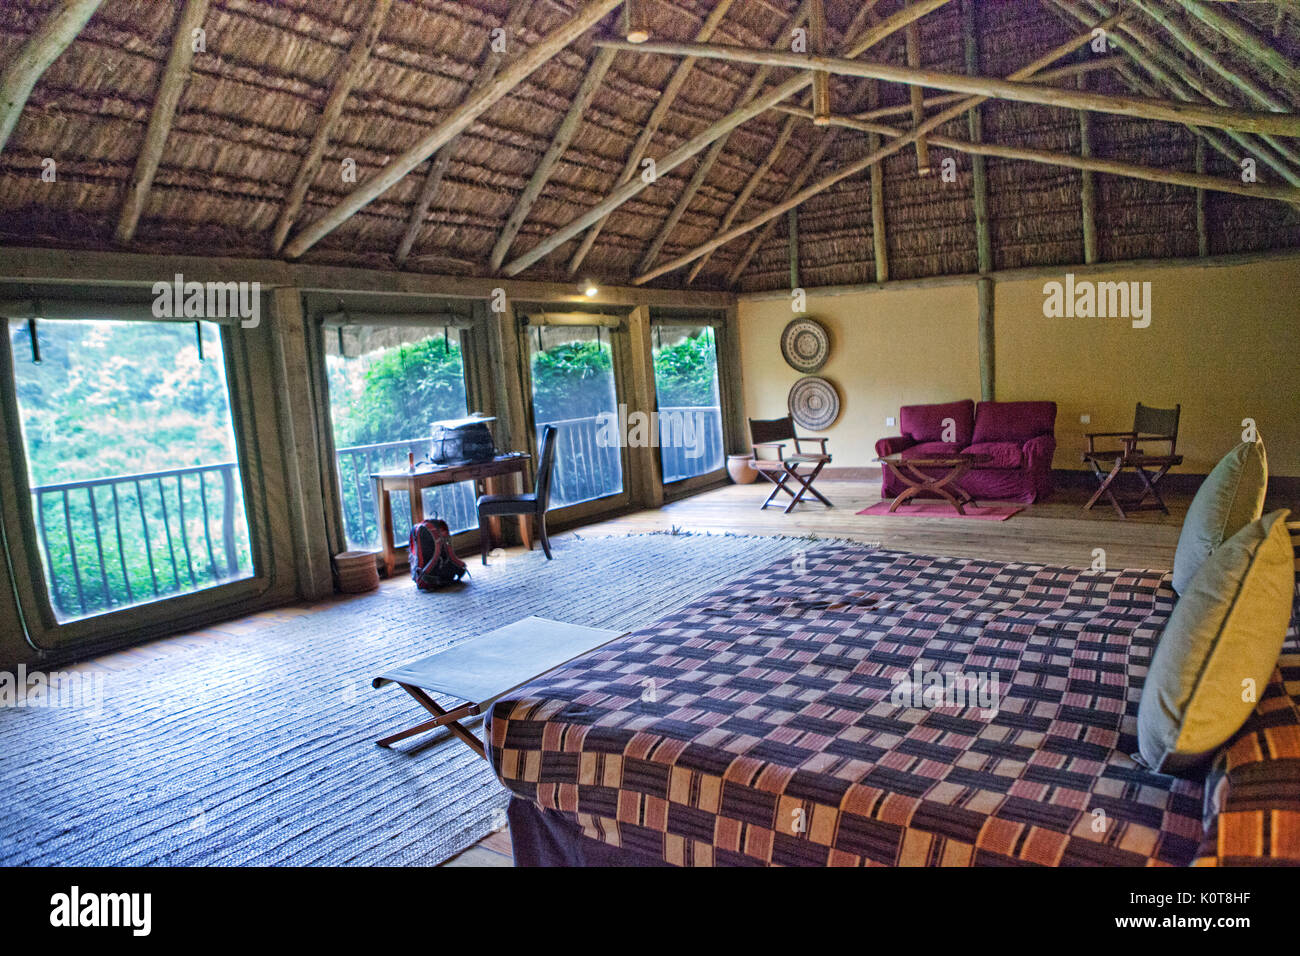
x=1231, y=497
x=1219, y=647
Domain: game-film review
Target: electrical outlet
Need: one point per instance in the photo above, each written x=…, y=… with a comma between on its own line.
x=1085, y=419
x=889, y=422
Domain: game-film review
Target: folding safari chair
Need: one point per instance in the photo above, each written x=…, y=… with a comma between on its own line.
x=771, y=434
x=1150, y=425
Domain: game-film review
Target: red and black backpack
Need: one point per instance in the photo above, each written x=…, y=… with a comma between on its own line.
x=433, y=560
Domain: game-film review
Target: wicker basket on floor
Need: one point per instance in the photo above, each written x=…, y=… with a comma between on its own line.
x=357, y=570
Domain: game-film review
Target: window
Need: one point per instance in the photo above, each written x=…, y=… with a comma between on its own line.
x=135, y=483
x=388, y=385
x=690, y=414
x=574, y=390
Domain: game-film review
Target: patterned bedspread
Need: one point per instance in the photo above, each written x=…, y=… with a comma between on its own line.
x=793, y=718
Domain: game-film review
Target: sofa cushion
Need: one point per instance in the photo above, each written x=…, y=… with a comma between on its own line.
x=924, y=423
x=1218, y=648
x=1013, y=421
x=932, y=449
x=1231, y=497
x=1002, y=454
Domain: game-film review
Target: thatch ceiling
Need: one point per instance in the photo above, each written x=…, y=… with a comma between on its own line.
x=253, y=98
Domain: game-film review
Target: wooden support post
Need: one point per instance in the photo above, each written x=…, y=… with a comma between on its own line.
x=988, y=380
x=821, y=92
x=298, y=430
x=1087, y=186
x=1202, y=227
x=175, y=75
x=645, y=475
x=792, y=238
x=455, y=123
x=917, y=95
x=975, y=126
x=26, y=65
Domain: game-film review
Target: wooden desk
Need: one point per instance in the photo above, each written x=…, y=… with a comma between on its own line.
x=489, y=477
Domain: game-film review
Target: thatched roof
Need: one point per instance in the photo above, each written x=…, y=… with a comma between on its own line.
x=255, y=96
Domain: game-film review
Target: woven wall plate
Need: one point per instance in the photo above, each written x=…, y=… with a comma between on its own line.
x=805, y=344
x=814, y=403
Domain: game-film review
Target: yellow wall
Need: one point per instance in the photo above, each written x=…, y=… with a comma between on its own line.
x=888, y=349
x=1224, y=342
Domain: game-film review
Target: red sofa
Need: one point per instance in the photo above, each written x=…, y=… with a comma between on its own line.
x=1019, y=437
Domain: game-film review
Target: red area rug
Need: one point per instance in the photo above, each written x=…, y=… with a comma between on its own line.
x=941, y=509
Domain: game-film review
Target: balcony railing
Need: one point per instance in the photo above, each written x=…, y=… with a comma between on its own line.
x=455, y=504
x=117, y=541
x=690, y=440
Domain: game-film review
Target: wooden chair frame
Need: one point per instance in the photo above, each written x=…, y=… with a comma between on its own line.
x=771, y=435
x=1150, y=425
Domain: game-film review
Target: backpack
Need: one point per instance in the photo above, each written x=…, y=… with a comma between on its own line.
x=433, y=560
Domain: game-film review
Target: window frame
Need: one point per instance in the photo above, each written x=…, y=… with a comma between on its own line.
x=165, y=614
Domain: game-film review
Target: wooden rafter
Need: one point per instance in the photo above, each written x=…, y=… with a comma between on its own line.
x=1149, y=53
x=175, y=75
x=702, y=171
x=492, y=63
x=874, y=156
x=1245, y=39
x=665, y=165
x=1205, y=56
x=568, y=128
x=902, y=20
x=916, y=96
x=452, y=126
x=354, y=63
x=975, y=129
x=42, y=48
x=879, y=237
x=632, y=164
x=1282, y=124
x=622, y=194
x=1153, y=174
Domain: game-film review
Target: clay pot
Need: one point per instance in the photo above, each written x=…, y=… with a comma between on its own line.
x=739, y=469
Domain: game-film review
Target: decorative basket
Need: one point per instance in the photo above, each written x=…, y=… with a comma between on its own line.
x=357, y=571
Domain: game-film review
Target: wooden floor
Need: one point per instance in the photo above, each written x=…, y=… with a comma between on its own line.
x=1056, y=532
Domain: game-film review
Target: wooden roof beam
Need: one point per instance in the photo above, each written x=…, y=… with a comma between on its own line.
x=1175, y=177
x=877, y=33
x=175, y=75
x=632, y=165
x=888, y=149
x=354, y=63
x=1245, y=39
x=438, y=168
x=568, y=128
x=697, y=181
x=1282, y=124
x=452, y=126
x=42, y=48
x=1165, y=67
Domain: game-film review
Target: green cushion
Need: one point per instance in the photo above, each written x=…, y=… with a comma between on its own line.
x=1231, y=497
x=1226, y=630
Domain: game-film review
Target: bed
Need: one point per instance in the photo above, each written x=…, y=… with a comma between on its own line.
x=774, y=722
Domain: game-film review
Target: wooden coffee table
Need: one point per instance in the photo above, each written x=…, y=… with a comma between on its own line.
x=947, y=469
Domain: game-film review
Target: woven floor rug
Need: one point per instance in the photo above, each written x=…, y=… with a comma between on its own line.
x=259, y=749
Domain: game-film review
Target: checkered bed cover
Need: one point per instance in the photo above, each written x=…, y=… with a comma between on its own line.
x=756, y=727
